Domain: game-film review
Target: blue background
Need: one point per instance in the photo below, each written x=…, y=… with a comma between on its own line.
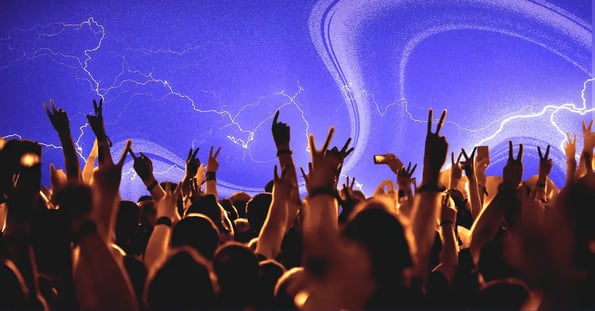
x=181, y=74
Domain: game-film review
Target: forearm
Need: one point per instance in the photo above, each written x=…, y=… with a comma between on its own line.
x=157, y=245
x=425, y=214
x=449, y=255
x=71, y=161
x=212, y=187
x=88, y=169
x=154, y=188
x=476, y=205
x=273, y=230
x=486, y=225
x=570, y=171
x=319, y=224
x=100, y=282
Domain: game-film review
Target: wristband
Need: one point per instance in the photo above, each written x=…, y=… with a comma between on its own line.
x=284, y=151
x=430, y=188
x=211, y=176
x=323, y=190
x=163, y=220
x=152, y=185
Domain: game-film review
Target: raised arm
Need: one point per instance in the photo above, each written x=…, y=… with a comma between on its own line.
x=274, y=227
x=504, y=205
x=429, y=196
x=59, y=120
x=166, y=216
x=281, y=135
x=405, y=193
x=588, y=144
x=87, y=173
x=212, y=167
x=143, y=166
x=570, y=151
x=545, y=167
x=106, y=180
x=469, y=167
x=449, y=255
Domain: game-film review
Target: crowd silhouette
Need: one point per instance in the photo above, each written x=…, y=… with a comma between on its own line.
x=457, y=239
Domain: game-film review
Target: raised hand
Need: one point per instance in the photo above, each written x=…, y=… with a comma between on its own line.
x=143, y=166
x=404, y=175
x=281, y=134
x=513, y=170
x=192, y=163
x=58, y=117
x=588, y=137
x=435, y=150
x=167, y=205
x=570, y=148
x=448, y=212
x=346, y=192
x=282, y=185
x=545, y=163
x=212, y=163
x=96, y=120
x=456, y=170
x=326, y=164
x=469, y=163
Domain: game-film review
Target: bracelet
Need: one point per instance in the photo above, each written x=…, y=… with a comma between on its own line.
x=430, y=188
x=323, y=190
x=211, y=176
x=152, y=185
x=163, y=220
x=284, y=151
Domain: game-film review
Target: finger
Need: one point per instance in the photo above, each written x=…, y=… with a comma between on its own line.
x=329, y=137
x=459, y=158
x=568, y=137
x=132, y=154
x=188, y=157
x=539, y=151
x=413, y=170
x=124, y=153
x=195, y=153
x=143, y=156
x=452, y=159
x=275, y=174
x=465, y=154
x=441, y=122
x=574, y=141
x=47, y=110
x=590, y=125
x=510, y=150
x=547, y=151
x=473, y=153
x=53, y=105
x=95, y=107
x=276, y=117
x=303, y=173
x=346, y=145
x=520, y=154
x=217, y=152
x=100, y=109
x=312, y=144
x=349, y=151
x=409, y=165
x=430, y=117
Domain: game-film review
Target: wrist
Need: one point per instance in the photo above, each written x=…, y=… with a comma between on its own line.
x=211, y=176
x=330, y=191
x=164, y=220
x=281, y=152
x=430, y=187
